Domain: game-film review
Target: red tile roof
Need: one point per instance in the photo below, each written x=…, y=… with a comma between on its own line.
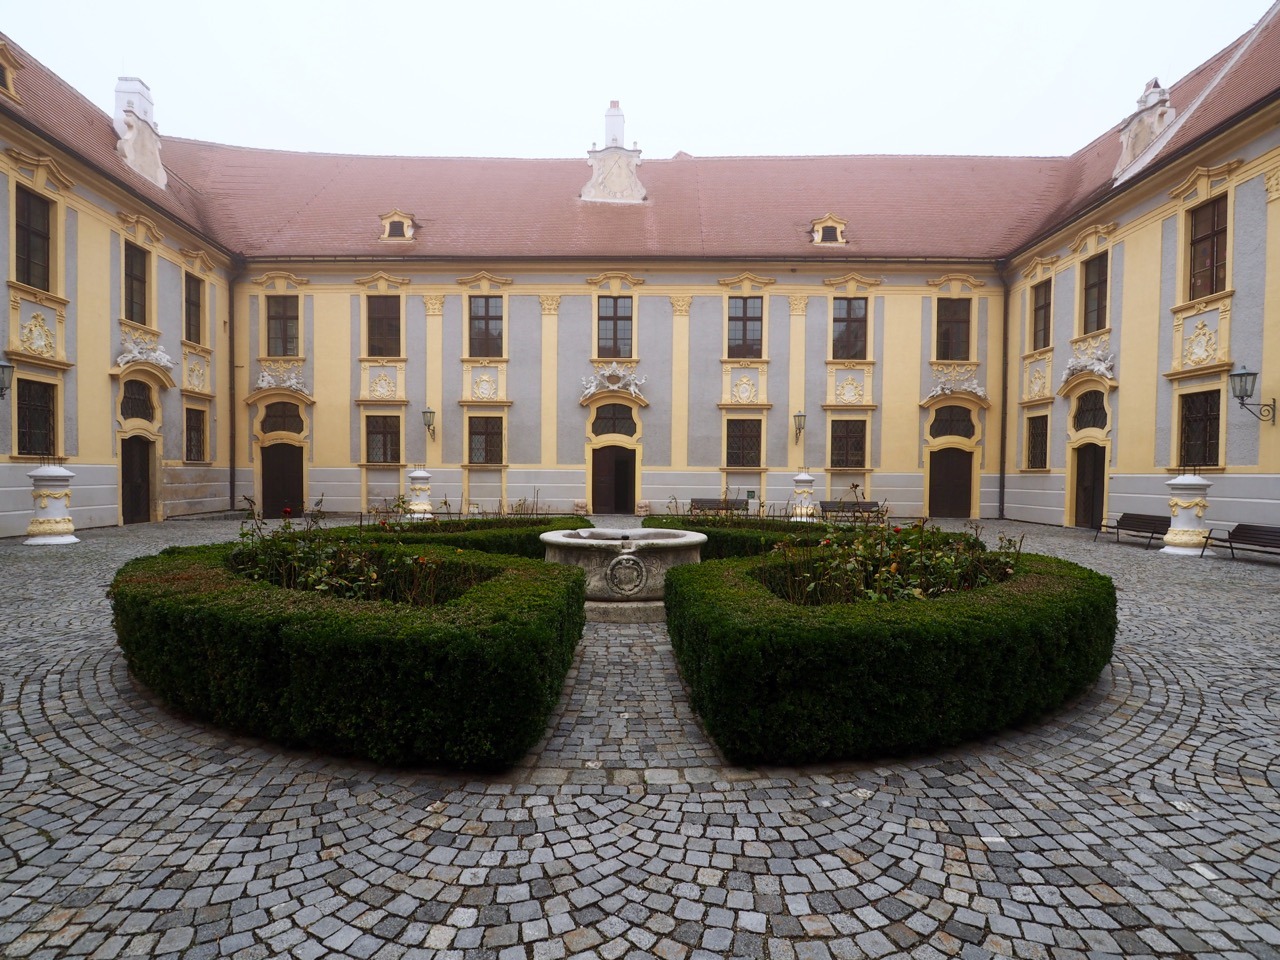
x=271, y=203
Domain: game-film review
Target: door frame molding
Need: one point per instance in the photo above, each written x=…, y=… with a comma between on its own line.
x=595, y=442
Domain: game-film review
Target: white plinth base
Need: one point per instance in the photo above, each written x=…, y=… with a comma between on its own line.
x=1186, y=551
x=51, y=541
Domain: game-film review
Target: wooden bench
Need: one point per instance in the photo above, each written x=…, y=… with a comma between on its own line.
x=1149, y=525
x=853, y=511
x=720, y=505
x=1251, y=537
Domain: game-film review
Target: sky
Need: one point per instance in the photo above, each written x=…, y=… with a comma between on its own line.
x=711, y=77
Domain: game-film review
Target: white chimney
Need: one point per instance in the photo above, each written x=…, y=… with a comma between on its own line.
x=135, y=96
x=613, y=121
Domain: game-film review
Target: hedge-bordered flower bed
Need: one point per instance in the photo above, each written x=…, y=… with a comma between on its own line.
x=516, y=536
x=776, y=682
x=741, y=537
x=468, y=683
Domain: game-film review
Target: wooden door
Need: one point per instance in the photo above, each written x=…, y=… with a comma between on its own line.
x=950, y=483
x=135, y=479
x=1091, y=478
x=281, y=480
x=613, y=480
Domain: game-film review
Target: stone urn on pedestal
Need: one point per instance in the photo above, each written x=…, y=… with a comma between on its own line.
x=51, y=503
x=1187, y=506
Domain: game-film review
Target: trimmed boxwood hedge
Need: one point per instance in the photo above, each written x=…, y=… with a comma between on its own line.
x=738, y=537
x=776, y=682
x=468, y=683
x=514, y=536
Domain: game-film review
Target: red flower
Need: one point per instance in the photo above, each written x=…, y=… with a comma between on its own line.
x=897, y=529
x=287, y=511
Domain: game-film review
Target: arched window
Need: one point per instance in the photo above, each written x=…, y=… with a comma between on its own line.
x=136, y=403
x=952, y=421
x=282, y=418
x=1090, y=411
x=614, y=418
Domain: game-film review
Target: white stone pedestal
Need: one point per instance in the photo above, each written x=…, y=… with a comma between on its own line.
x=420, y=495
x=51, y=496
x=805, y=509
x=1187, y=505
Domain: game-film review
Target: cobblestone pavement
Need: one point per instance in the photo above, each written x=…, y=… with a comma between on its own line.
x=1143, y=820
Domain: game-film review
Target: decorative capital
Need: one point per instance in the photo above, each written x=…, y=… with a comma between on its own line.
x=434, y=304
x=1272, y=180
x=798, y=305
x=550, y=304
x=680, y=305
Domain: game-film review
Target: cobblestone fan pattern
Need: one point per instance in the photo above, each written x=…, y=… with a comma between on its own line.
x=1143, y=820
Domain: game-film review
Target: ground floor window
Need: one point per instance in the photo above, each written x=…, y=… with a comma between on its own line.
x=1199, y=434
x=484, y=440
x=37, y=402
x=1037, y=442
x=742, y=448
x=195, y=445
x=382, y=436
x=848, y=443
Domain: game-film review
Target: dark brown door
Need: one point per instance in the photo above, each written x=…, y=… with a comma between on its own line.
x=613, y=480
x=950, y=483
x=281, y=480
x=1091, y=477
x=135, y=479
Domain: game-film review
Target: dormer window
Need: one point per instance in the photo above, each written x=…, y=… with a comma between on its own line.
x=397, y=226
x=829, y=229
x=8, y=67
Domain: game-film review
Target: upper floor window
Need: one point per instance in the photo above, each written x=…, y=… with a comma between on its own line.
x=1199, y=429
x=195, y=438
x=32, y=219
x=486, y=327
x=614, y=418
x=1037, y=442
x=848, y=443
x=282, y=326
x=614, y=328
x=849, y=328
x=742, y=447
x=384, y=326
x=382, y=439
x=953, y=328
x=746, y=327
x=135, y=283
x=1095, y=293
x=484, y=440
x=1209, y=248
x=194, y=309
x=36, y=403
x=136, y=403
x=1041, y=311
x=952, y=421
x=282, y=417
x=1091, y=411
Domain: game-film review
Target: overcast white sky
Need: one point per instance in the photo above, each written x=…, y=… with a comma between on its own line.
x=532, y=78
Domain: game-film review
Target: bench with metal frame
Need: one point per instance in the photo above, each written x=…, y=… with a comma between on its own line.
x=717, y=505
x=854, y=511
x=1250, y=537
x=1149, y=525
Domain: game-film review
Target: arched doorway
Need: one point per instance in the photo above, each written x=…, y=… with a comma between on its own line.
x=1091, y=480
x=135, y=479
x=951, y=466
x=613, y=461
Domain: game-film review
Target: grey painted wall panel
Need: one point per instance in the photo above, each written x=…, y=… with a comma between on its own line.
x=169, y=303
x=71, y=379
x=574, y=330
x=415, y=347
x=817, y=430
x=706, y=341
x=654, y=319
x=524, y=379
x=449, y=424
x=1248, y=277
x=779, y=418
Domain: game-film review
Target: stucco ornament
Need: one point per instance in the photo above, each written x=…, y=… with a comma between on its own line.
x=956, y=378
x=382, y=387
x=282, y=374
x=36, y=337
x=1095, y=357
x=1201, y=347
x=139, y=346
x=484, y=388
x=744, y=390
x=139, y=147
x=196, y=375
x=849, y=391
x=613, y=377
x=1038, y=386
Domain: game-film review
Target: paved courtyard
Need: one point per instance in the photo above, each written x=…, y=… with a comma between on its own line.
x=1144, y=820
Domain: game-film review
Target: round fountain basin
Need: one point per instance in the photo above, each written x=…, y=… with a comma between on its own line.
x=626, y=569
